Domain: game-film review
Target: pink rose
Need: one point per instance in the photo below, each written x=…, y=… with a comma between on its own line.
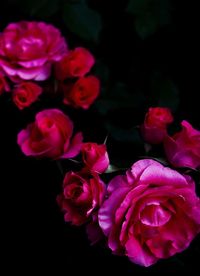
x=4, y=86
x=28, y=49
x=151, y=213
x=50, y=136
x=25, y=93
x=83, y=93
x=76, y=63
x=81, y=196
x=154, y=128
x=183, y=149
x=95, y=157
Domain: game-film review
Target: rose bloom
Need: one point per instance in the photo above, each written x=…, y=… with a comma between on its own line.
x=83, y=93
x=28, y=49
x=95, y=157
x=76, y=63
x=81, y=196
x=154, y=128
x=151, y=213
x=50, y=136
x=183, y=149
x=4, y=86
x=25, y=94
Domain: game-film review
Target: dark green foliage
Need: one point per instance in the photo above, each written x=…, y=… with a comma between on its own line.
x=82, y=20
x=150, y=15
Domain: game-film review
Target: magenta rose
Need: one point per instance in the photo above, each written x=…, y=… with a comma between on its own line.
x=95, y=157
x=183, y=149
x=50, y=136
x=151, y=213
x=76, y=63
x=154, y=128
x=82, y=195
x=28, y=49
x=26, y=93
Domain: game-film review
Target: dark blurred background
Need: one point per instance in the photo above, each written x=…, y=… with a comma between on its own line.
x=147, y=54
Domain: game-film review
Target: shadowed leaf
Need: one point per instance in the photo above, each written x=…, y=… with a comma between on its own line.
x=82, y=20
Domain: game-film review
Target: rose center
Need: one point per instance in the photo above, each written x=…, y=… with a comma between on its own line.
x=46, y=124
x=22, y=98
x=155, y=215
x=73, y=191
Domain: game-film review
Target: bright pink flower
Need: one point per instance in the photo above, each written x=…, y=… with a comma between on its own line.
x=28, y=49
x=183, y=149
x=81, y=196
x=83, y=93
x=151, y=213
x=95, y=157
x=25, y=93
x=154, y=128
x=50, y=136
x=76, y=63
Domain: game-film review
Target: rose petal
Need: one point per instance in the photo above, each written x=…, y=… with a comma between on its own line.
x=74, y=148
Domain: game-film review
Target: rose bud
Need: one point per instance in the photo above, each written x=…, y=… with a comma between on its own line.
x=77, y=63
x=26, y=93
x=83, y=93
x=95, y=157
x=154, y=128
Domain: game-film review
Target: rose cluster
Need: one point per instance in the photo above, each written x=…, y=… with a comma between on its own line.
x=183, y=148
x=150, y=212
x=31, y=53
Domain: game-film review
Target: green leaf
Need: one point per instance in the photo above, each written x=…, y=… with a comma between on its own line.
x=101, y=71
x=142, y=28
x=119, y=97
x=39, y=8
x=82, y=20
x=165, y=92
x=105, y=105
x=150, y=15
x=112, y=169
x=124, y=135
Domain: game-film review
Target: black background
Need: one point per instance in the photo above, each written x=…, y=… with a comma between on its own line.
x=35, y=236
